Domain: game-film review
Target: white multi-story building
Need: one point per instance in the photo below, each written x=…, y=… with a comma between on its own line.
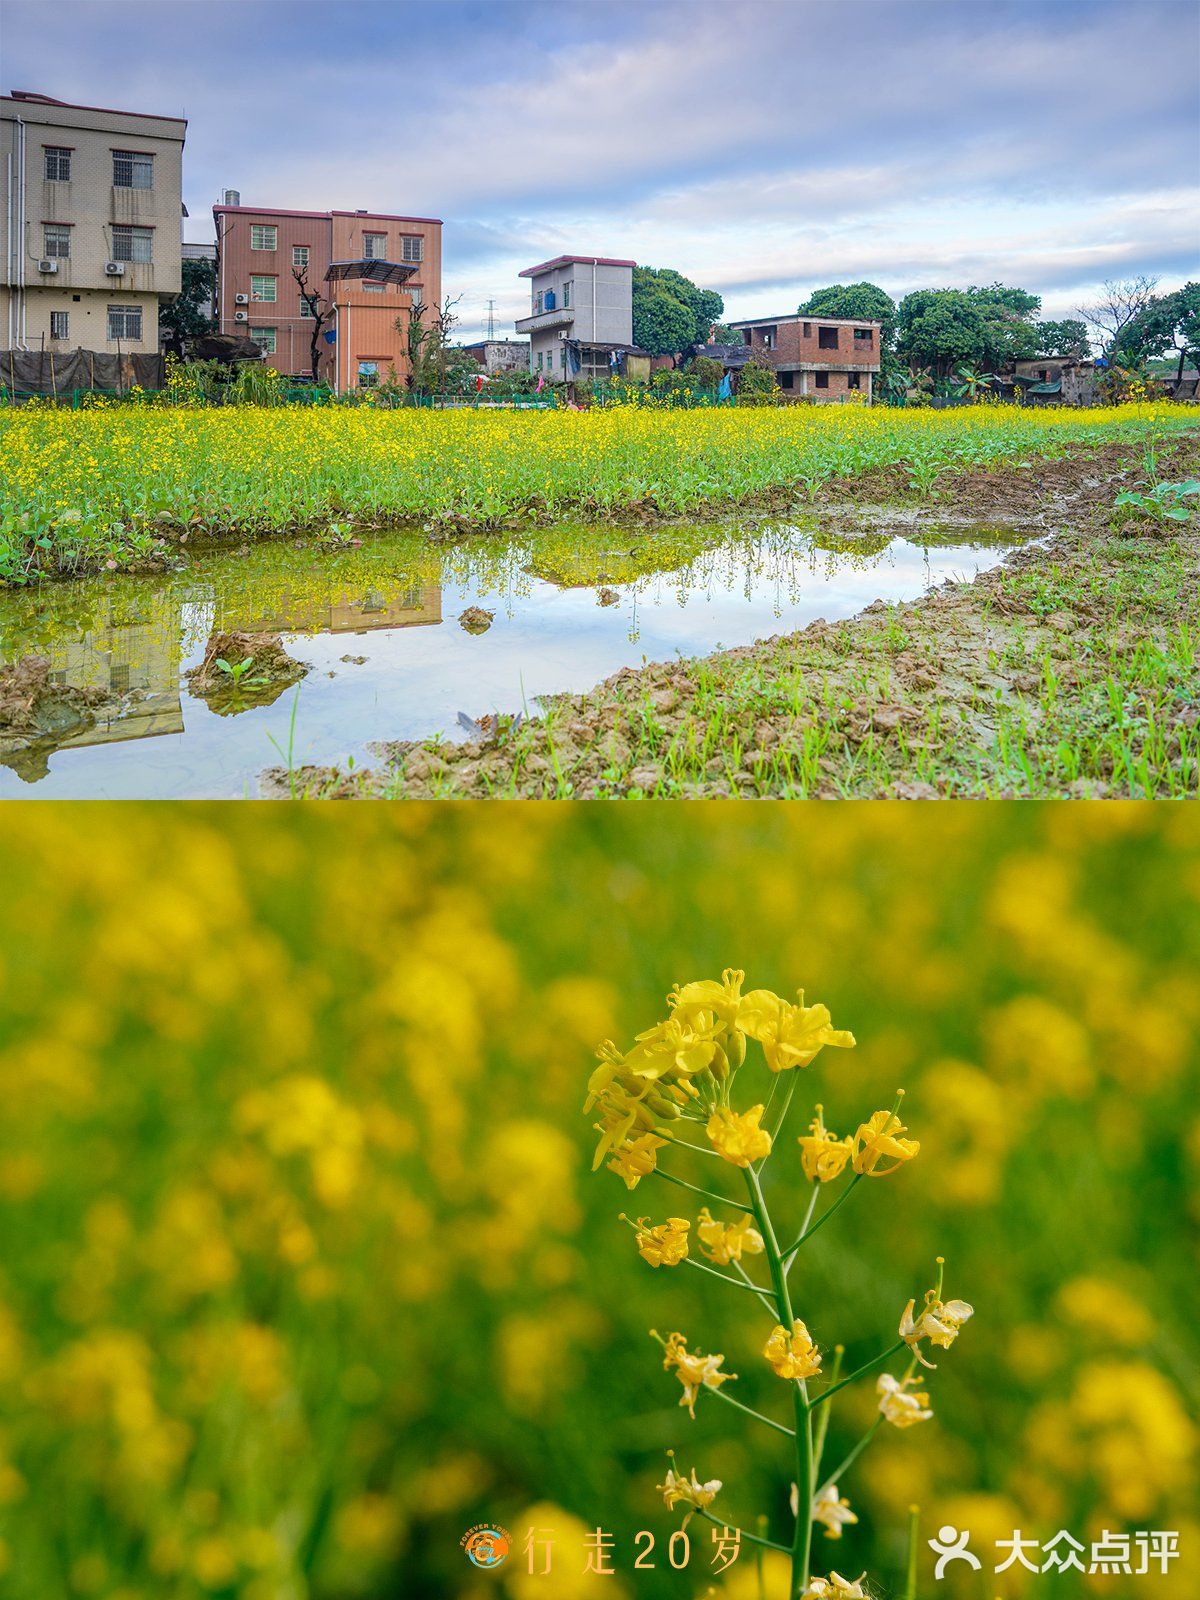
x=581, y=313
x=93, y=201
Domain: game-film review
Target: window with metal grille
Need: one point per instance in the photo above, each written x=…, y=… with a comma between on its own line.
x=56, y=241
x=375, y=246
x=263, y=236
x=60, y=325
x=132, y=169
x=264, y=337
x=124, y=322
x=308, y=305
x=412, y=247
x=299, y=255
x=263, y=287
x=58, y=163
x=132, y=244
x=368, y=374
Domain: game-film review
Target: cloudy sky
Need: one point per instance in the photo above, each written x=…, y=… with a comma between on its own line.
x=763, y=147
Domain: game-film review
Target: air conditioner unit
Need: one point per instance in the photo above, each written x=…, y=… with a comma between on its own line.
x=241, y=316
x=47, y=265
x=241, y=299
x=114, y=269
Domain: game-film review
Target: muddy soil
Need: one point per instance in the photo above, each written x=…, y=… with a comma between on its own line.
x=240, y=670
x=37, y=714
x=894, y=689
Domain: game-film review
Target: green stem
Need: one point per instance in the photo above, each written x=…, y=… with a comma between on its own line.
x=802, y=1538
x=825, y=1216
x=685, y=1144
x=767, y=1544
x=910, y=1579
x=845, y=1465
x=713, y=1273
x=749, y=1410
x=765, y=1298
x=708, y=1194
x=783, y=1111
x=875, y=1361
x=822, y=1427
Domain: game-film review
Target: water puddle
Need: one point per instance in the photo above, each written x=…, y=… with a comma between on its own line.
x=378, y=625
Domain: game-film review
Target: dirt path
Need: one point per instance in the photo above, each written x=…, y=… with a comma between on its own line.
x=1071, y=669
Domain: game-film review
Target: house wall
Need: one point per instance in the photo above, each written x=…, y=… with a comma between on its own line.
x=792, y=345
x=365, y=317
x=601, y=307
x=90, y=205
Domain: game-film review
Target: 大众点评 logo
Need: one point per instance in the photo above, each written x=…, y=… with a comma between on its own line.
x=486, y=1544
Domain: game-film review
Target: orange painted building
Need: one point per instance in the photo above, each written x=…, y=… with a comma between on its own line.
x=261, y=249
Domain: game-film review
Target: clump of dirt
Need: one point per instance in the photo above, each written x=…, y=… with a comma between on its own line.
x=608, y=597
x=37, y=714
x=240, y=670
x=475, y=619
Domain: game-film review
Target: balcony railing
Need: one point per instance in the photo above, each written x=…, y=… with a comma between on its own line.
x=561, y=317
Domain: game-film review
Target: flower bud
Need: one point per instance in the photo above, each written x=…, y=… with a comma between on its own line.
x=735, y=1050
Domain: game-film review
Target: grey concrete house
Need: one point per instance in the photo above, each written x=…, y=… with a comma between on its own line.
x=91, y=224
x=581, y=313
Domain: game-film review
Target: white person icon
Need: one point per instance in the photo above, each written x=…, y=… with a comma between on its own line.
x=951, y=1545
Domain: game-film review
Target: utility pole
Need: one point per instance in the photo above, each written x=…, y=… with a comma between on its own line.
x=491, y=319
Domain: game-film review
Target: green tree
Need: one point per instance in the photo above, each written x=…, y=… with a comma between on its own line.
x=662, y=324
x=653, y=285
x=859, y=301
x=1066, y=338
x=186, y=316
x=723, y=333
x=940, y=328
x=758, y=386
x=1168, y=323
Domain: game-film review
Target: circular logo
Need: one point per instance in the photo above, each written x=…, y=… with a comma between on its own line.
x=486, y=1545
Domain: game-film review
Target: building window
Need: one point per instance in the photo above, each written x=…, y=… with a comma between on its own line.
x=566, y=291
x=263, y=236
x=539, y=361
x=308, y=306
x=787, y=380
x=132, y=244
x=125, y=322
x=748, y=335
x=132, y=170
x=549, y=360
x=58, y=163
x=827, y=338
x=374, y=288
x=537, y=303
x=822, y=380
x=375, y=246
x=368, y=374
x=56, y=241
x=299, y=255
x=412, y=247
x=767, y=338
x=266, y=338
x=862, y=335
x=264, y=288
x=60, y=325
x=808, y=330
x=854, y=380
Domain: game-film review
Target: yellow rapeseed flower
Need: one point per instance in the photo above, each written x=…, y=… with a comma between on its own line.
x=694, y=1371
x=792, y=1355
x=790, y=1035
x=879, y=1140
x=664, y=1245
x=897, y=1405
x=822, y=1154
x=724, y=1242
x=737, y=1136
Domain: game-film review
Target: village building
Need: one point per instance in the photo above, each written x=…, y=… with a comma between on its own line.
x=580, y=323
x=1057, y=380
x=817, y=358
x=497, y=356
x=92, y=222
x=361, y=272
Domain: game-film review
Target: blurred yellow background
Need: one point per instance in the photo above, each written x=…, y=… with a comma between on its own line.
x=303, y=1272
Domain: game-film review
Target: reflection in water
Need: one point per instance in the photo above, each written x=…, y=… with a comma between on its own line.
x=681, y=590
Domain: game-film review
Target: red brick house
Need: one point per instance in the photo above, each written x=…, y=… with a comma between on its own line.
x=818, y=358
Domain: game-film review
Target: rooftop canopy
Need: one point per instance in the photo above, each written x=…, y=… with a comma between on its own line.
x=369, y=271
